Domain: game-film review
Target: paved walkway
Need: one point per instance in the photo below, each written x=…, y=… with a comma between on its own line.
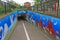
x=26, y=31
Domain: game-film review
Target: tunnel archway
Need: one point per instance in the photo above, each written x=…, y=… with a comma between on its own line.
x=22, y=17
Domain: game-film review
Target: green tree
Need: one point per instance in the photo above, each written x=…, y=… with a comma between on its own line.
x=37, y=1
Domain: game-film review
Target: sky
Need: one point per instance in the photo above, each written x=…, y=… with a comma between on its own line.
x=21, y=2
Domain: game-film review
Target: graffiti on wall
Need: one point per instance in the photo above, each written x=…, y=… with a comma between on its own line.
x=6, y=25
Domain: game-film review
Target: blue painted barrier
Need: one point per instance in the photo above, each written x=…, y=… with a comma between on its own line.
x=22, y=12
x=6, y=24
x=7, y=21
x=1, y=29
x=56, y=25
x=45, y=19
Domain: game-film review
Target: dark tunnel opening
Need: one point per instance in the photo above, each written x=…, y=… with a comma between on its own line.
x=21, y=17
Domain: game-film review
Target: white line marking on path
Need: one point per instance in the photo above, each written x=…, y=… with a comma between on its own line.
x=26, y=32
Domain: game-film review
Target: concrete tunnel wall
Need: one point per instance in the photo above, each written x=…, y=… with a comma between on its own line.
x=50, y=23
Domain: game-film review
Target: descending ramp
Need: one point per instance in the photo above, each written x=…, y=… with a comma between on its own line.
x=33, y=32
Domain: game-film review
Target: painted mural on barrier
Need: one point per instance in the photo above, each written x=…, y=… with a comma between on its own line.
x=1, y=32
x=49, y=23
x=6, y=25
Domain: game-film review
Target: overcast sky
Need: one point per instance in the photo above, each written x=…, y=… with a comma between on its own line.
x=21, y=2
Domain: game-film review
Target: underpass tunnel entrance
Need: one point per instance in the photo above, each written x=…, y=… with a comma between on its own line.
x=21, y=17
